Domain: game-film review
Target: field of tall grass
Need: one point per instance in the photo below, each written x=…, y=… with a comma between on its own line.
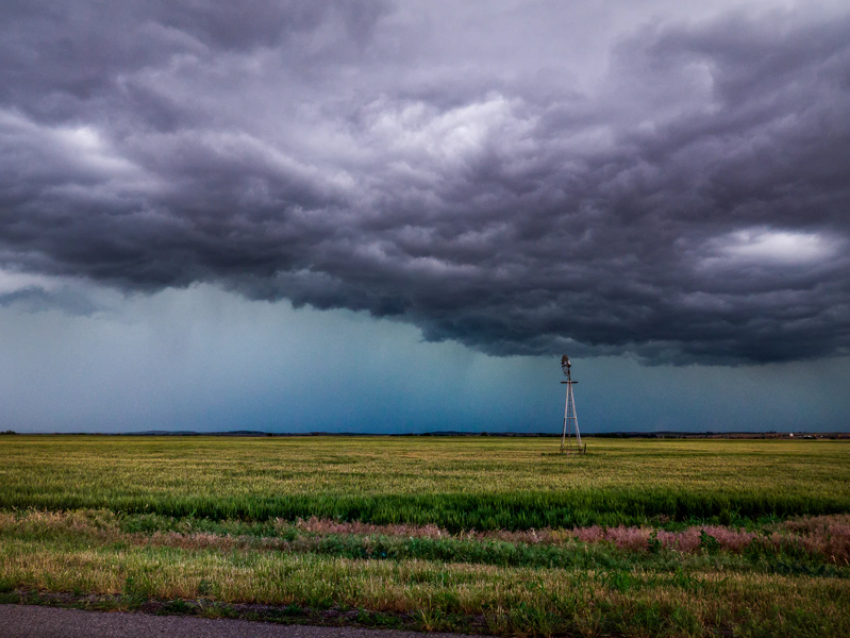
x=477, y=534
x=458, y=483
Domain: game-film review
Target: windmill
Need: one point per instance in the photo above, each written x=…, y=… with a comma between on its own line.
x=570, y=416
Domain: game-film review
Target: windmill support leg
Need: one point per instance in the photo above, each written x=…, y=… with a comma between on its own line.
x=566, y=411
x=570, y=423
x=575, y=417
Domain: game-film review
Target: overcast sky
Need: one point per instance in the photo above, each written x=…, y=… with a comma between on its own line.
x=395, y=216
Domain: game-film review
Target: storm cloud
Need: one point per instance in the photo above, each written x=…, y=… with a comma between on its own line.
x=523, y=178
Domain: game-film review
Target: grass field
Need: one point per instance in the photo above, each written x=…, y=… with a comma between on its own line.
x=478, y=534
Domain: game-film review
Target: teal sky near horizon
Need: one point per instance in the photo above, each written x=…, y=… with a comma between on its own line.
x=208, y=360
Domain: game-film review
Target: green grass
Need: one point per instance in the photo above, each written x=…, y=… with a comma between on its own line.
x=470, y=483
x=598, y=591
x=208, y=526
x=78, y=530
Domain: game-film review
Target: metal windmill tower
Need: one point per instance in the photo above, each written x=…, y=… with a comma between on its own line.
x=570, y=416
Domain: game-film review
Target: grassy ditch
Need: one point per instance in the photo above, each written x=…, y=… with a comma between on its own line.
x=549, y=583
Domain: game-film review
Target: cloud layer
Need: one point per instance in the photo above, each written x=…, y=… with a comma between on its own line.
x=520, y=178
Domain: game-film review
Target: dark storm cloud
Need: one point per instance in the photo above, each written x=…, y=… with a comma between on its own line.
x=681, y=193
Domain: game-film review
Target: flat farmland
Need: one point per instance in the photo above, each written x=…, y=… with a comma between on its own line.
x=459, y=483
x=471, y=534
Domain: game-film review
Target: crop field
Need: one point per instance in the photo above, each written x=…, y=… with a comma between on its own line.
x=476, y=534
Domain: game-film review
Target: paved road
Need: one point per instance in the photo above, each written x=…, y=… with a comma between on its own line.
x=27, y=621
